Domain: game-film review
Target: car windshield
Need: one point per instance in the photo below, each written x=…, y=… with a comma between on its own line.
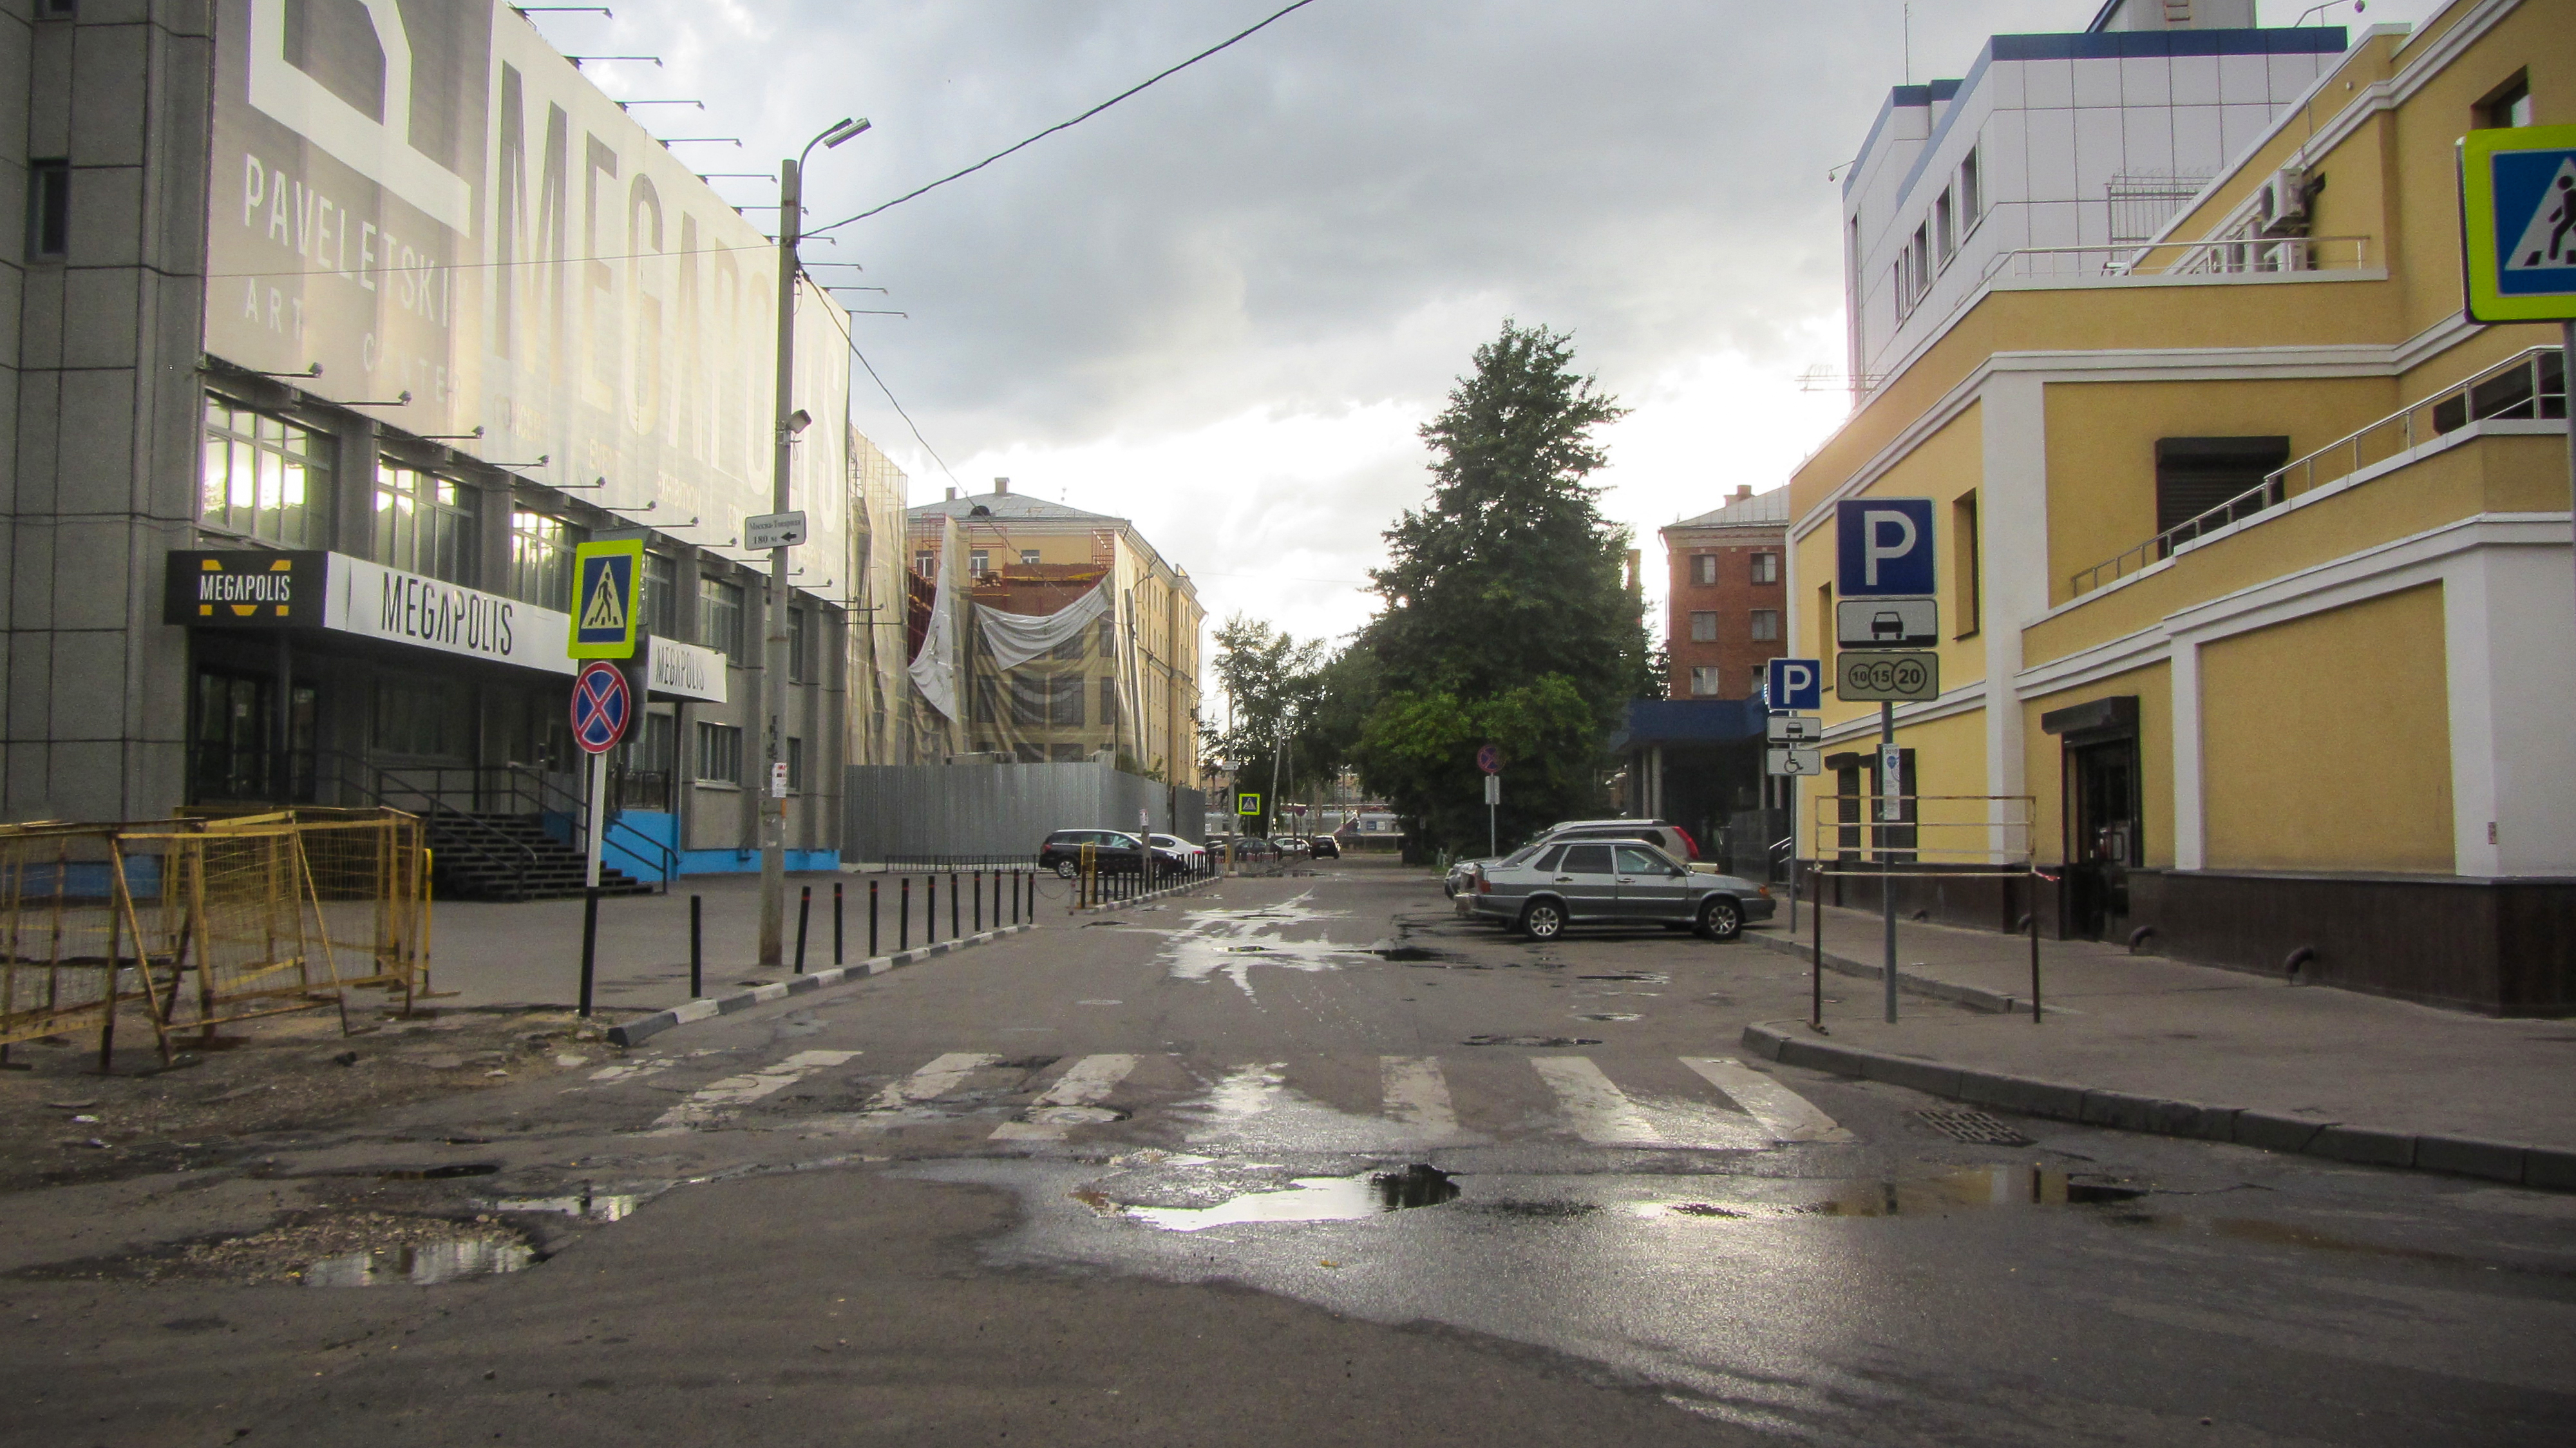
x=1522, y=855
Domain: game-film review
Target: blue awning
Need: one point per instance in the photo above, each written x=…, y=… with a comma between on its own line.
x=1688, y=721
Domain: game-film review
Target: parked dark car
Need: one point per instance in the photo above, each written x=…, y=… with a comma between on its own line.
x=1325, y=847
x=1114, y=852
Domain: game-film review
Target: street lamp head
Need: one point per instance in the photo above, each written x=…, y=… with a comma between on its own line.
x=845, y=130
x=798, y=421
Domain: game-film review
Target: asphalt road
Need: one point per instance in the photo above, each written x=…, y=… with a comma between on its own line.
x=1295, y=1162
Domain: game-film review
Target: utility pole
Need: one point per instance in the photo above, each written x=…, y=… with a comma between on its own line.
x=773, y=684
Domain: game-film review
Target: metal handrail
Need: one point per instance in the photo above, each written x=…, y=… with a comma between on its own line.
x=371, y=785
x=2518, y=388
x=643, y=846
x=2236, y=256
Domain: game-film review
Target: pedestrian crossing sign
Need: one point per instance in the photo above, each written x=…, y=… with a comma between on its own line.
x=2518, y=223
x=605, y=615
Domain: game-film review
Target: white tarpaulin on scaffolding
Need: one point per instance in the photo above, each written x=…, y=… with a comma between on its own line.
x=934, y=669
x=1012, y=639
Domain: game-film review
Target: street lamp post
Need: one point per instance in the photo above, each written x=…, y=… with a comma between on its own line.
x=773, y=801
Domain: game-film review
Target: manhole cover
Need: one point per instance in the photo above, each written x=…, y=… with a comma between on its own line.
x=1972, y=1126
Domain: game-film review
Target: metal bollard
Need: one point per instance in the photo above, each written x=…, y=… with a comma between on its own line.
x=979, y=902
x=930, y=912
x=804, y=913
x=872, y=920
x=836, y=922
x=952, y=904
x=697, y=953
x=589, y=945
x=903, y=919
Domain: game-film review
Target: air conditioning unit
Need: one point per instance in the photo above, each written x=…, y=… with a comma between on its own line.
x=2285, y=202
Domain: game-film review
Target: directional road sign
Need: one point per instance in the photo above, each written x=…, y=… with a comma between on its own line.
x=2518, y=216
x=1887, y=623
x=1883, y=548
x=1870, y=676
x=1795, y=684
x=1490, y=759
x=1794, y=729
x=1794, y=763
x=601, y=707
x=773, y=530
x=605, y=615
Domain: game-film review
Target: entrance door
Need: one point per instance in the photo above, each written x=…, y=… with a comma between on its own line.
x=233, y=754
x=2103, y=835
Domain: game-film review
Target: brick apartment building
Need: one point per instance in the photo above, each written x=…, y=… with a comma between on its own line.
x=1726, y=612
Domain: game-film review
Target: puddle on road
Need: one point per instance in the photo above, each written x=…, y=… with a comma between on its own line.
x=1549, y=1042
x=1231, y=943
x=1926, y=1196
x=590, y=1207
x=1304, y=1199
x=422, y=1264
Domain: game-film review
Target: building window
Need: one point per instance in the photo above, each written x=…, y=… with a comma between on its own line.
x=424, y=523
x=2198, y=475
x=263, y=476
x=1766, y=625
x=1028, y=558
x=49, y=210
x=795, y=765
x=1703, y=628
x=978, y=563
x=1064, y=700
x=541, y=559
x=720, y=753
x=1766, y=567
x=1704, y=681
x=800, y=646
x=926, y=564
x=662, y=595
x=1943, y=222
x=1972, y=194
x=1703, y=568
x=720, y=609
x=2508, y=105
x=1108, y=702
x=1969, y=591
x=1922, y=253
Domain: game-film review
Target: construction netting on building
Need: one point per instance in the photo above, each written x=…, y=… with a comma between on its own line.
x=1036, y=667
x=203, y=922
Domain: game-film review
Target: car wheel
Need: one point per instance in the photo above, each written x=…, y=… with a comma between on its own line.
x=1064, y=869
x=1543, y=920
x=1721, y=919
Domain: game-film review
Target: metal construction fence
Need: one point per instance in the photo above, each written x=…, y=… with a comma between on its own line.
x=207, y=921
x=968, y=814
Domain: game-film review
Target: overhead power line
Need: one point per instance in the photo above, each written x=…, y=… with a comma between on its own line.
x=1062, y=125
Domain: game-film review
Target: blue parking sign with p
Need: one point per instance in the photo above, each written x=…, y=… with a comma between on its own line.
x=1795, y=684
x=1883, y=548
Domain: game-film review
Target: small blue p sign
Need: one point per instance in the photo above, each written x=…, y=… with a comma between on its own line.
x=1795, y=684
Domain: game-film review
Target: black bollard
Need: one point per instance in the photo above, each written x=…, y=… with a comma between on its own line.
x=872, y=920
x=952, y=904
x=836, y=922
x=589, y=943
x=804, y=913
x=697, y=953
x=979, y=902
x=903, y=918
x=930, y=911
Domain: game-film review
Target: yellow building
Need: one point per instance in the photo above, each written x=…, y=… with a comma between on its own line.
x=2256, y=570
x=1124, y=685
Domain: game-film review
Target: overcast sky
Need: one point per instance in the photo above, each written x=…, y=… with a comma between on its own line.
x=1222, y=307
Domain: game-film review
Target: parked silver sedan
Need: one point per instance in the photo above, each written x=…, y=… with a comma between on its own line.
x=1613, y=882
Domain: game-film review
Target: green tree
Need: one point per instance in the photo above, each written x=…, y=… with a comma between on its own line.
x=1271, y=684
x=1508, y=617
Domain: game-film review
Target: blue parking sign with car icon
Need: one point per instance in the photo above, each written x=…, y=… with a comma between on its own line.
x=1883, y=547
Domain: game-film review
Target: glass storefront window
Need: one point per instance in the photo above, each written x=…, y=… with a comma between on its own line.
x=720, y=607
x=263, y=476
x=424, y=524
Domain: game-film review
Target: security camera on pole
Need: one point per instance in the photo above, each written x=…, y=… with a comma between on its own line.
x=791, y=420
x=1886, y=622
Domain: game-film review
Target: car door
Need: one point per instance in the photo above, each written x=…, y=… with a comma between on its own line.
x=1648, y=887
x=1583, y=879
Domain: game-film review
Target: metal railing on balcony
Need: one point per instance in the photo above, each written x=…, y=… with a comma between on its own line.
x=2243, y=256
x=2531, y=385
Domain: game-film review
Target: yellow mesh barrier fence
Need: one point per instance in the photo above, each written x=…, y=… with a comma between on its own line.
x=66, y=942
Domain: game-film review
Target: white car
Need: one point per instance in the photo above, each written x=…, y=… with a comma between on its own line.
x=1194, y=856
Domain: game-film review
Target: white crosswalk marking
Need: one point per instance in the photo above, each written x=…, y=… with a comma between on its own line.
x=1599, y=1112
x=1072, y=1101
x=1786, y=1114
x=717, y=1099
x=932, y=1081
x=1417, y=1094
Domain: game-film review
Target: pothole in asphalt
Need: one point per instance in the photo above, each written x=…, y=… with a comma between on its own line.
x=1297, y=1199
x=448, y=1172
x=1939, y=1194
x=327, y=1248
x=424, y=1265
x=1606, y=1016
x=1408, y=954
x=1545, y=1041
x=1642, y=977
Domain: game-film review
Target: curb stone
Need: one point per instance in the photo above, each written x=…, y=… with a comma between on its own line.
x=2543, y=1167
x=632, y=1032
x=1975, y=998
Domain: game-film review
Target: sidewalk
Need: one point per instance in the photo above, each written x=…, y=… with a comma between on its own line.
x=2143, y=1027
x=529, y=953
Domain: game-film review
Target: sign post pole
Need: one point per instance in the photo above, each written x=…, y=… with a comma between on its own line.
x=1890, y=767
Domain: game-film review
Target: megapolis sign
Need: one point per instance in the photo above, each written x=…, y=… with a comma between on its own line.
x=1883, y=548
x=423, y=198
